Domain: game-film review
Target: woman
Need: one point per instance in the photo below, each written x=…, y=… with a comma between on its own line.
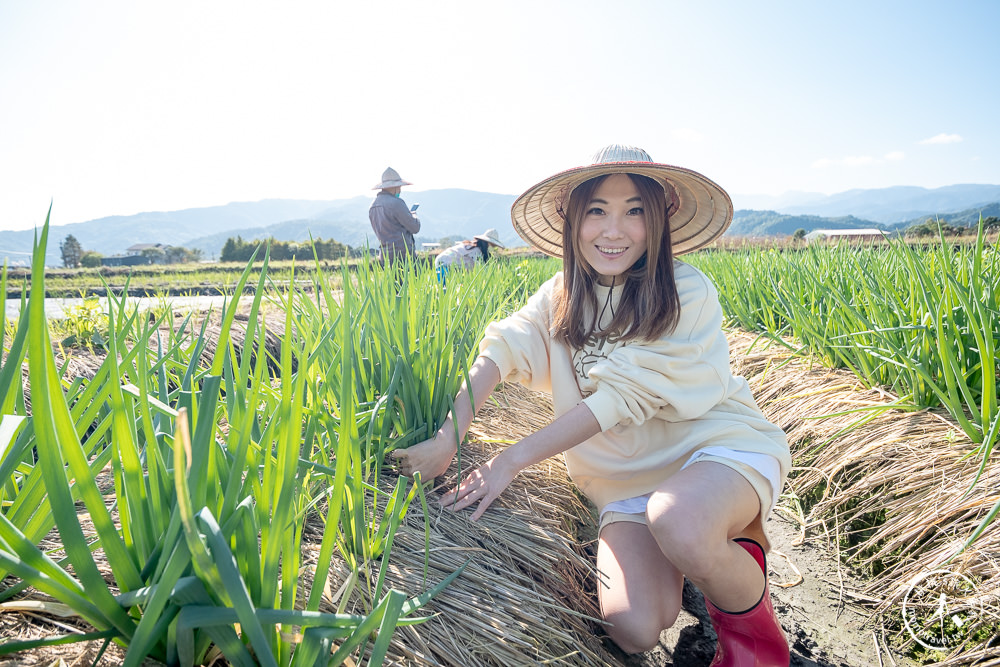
x=655, y=428
x=467, y=254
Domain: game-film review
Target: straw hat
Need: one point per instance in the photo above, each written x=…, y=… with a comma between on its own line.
x=698, y=210
x=391, y=179
x=490, y=236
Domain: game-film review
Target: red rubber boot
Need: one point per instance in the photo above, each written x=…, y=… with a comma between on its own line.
x=751, y=638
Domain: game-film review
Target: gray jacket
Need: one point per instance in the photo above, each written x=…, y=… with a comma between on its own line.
x=394, y=225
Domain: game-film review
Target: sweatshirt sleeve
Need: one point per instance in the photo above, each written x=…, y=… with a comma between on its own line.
x=679, y=377
x=519, y=344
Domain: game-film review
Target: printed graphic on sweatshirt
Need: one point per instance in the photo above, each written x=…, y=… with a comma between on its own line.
x=596, y=349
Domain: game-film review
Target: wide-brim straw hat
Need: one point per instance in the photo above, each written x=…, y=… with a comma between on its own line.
x=698, y=210
x=491, y=236
x=391, y=179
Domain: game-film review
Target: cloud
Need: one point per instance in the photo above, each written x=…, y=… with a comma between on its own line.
x=943, y=139
x=894, y=156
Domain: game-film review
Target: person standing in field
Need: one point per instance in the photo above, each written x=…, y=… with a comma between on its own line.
x=392, y=221
x=467, y=254
x=656, y=430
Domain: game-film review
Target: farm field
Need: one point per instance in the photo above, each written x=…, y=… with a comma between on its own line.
x=217, y=278
x=185, y=476
x=190, y=279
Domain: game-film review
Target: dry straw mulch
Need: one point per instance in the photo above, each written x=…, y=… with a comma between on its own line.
x=890, y=487
x=526, y=595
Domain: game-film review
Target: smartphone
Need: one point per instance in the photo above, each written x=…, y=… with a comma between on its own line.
x=414, y=207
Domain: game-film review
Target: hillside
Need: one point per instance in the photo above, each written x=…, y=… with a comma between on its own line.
x=464, y=213
x=451, y=212
x=442, y=213
x=970, y=217
x=771, y=223
x=891, y=206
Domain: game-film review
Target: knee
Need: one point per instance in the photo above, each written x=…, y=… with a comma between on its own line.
x=676, y=531
x=635, y=624
x=634, y=633
x=683, y=539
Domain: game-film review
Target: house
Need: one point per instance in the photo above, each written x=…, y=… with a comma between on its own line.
x=136, y=255
x=125, y=260
x=136, y=249
x=845, y=234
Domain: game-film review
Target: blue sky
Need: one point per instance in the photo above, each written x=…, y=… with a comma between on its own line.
x=114, y=108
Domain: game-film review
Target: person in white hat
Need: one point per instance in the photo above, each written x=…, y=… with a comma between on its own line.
x=655, y=429
x=467, y=254
x=392, y=221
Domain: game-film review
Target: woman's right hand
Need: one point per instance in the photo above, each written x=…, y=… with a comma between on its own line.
x=430, y=458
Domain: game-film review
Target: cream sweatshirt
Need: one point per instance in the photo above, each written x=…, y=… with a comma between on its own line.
x=657, y=402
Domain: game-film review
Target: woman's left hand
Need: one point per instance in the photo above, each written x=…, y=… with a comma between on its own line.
x=482, y=485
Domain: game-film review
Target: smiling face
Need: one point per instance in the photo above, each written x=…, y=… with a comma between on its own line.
x=612, y=233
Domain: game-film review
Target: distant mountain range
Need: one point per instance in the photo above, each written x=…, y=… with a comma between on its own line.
x=772, y=223
x=464, y=213
x=891, y=206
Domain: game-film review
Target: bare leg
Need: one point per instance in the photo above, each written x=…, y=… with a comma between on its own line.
x=639, y=589
x=694, y=517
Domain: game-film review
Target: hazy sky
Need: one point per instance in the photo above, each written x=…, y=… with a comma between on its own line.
x=114, y=108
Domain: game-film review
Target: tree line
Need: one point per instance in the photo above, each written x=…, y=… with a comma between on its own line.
x=238, y=250
x=235, y=250
x=932, y=227
x=75, y=256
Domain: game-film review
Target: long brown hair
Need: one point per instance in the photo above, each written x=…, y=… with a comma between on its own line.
x=649, y=305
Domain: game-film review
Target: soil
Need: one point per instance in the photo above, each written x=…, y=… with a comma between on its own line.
x=820, y=614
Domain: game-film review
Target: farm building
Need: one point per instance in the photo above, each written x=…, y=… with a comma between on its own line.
x=137, y=248
x=845, y=234
x=125, y=260
x=136, y=254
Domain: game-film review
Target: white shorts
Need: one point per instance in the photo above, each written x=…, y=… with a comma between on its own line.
x=764, y=464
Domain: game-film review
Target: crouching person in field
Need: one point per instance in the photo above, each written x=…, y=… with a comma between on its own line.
x=655, y=428
x=467, y=254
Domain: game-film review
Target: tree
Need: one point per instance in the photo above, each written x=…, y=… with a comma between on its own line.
x=231, y=249
x=90, y=259
x=799, y=234
x=238, y=250
x=176, y=254
x=153, y=255
x=71, y=251
x=931, y=227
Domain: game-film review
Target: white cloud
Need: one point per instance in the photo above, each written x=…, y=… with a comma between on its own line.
x=894, y=156
x=943, y=139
